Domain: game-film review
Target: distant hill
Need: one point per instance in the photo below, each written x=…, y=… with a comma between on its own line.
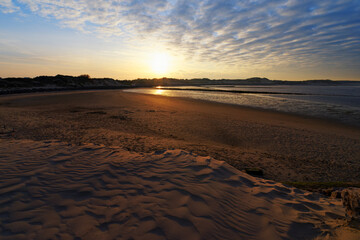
x=58, y=81
x=249, y=81
x=198, y=81
x=63, y=82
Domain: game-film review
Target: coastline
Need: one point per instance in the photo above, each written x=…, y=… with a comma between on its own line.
x=43, y=92
x=324, y=105
x=256, y=108
x=285, y=146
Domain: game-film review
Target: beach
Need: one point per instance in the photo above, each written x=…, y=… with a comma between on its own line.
x=179, y=120
x=285, y=147
x=114, y=165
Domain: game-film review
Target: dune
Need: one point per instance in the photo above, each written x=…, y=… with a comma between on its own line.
x=55, y=190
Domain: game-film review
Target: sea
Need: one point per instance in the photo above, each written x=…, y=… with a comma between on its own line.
x=340, y=103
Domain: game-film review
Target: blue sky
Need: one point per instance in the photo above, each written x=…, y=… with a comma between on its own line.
x=280, y=39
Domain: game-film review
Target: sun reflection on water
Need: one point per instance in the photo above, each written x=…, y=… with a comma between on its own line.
x=158, y=91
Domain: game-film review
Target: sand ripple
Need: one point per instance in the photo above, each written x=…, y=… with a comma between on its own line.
x=53, y=190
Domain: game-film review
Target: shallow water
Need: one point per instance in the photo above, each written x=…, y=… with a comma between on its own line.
x=341, y=103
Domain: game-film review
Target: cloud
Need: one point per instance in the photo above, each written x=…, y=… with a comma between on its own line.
x=244, y=33
x=7, y=6
x=110, y=17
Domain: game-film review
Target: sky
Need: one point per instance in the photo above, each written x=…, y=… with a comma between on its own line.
x=129, y=39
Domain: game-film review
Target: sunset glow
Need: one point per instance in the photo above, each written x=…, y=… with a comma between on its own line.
x=288, y=39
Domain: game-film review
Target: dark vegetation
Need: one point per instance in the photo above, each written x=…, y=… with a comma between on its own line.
x=63, y=82
x=97, y=112
x=319, y=185
x=58, y=82
x=325, y=188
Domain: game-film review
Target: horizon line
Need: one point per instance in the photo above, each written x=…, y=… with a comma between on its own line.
x=164, y=77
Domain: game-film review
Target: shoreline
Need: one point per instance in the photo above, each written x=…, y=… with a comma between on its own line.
x=331, y=121
x=44, y=92
x=321, y=124
x=284, y=146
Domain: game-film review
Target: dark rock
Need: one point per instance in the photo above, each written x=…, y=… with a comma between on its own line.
x=336, y=194
x=351, y=201
x=256, y=172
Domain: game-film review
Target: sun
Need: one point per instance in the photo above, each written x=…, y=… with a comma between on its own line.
x=160, y=63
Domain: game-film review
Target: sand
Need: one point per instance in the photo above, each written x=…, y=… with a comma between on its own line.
x=286, y=147
x=55, y=190
x=115, y=165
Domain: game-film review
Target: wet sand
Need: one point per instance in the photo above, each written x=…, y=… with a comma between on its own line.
x=286, y=147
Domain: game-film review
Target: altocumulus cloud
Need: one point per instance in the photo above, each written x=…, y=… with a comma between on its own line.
x=246, y=32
